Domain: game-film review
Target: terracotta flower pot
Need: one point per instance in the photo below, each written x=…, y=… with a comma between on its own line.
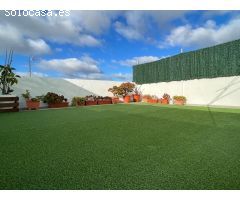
x=81, y=103
x=145, y=100
x=164, y=101
x=58, y=105
x=100, y=102
x=32, y=104
x=127, y=99
x=91, y=103
x=136, y=98
x=115, y=100
x=152, y=100
x=179, y=102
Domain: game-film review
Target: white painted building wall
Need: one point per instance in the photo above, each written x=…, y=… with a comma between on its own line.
x=98, y=87
x=217, y=91
x=223, y=91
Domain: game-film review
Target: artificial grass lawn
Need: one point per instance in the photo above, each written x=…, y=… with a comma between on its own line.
x=121, y=147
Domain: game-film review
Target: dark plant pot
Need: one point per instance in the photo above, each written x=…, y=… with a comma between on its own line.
x=58, y=105
x=179, y=102
x=90, y=103
x=136, y=98
x=100, y=102
x=32, y=104
x=164, y=101
x=127, y=99
x=81, y=103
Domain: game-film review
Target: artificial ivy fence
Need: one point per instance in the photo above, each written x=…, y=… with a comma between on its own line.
x=218, y=61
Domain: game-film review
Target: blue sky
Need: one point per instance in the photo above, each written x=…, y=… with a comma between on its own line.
x=105, y=44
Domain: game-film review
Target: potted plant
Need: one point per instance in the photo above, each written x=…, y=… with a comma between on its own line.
x=8, y=102
x=7, y=77
x=136, y=95
x=31, y=103
x=54, y=100
x=78, y=101
x=146, y=97
x=179, y=100
x=165, y=99
x=153, y=99
x=91, y=100
x=104, y=100
x=123, y=90
x=114, y=91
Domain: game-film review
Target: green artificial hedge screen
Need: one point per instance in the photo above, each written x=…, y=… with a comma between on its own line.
x=218, y=61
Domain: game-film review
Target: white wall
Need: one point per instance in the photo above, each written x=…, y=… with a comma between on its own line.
x=98, y=87
x=216, y=91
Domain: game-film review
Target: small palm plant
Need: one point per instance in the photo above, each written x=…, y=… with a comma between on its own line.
x=7, y=77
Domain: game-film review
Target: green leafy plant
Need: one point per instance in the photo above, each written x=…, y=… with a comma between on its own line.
x=77, y=100
x=35, y=99
x=27, y=96
x=166, y=96
x=180, y=98
x=7, y=77
x=52, y=97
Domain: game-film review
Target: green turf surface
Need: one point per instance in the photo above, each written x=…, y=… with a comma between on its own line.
x=121, y=147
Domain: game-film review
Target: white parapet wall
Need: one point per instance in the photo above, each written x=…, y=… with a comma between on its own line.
x=98, y=87
x=223, y=91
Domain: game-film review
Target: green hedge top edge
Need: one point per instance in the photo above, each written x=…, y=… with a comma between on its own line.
x=222, y=60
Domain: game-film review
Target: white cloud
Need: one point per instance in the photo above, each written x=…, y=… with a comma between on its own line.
x=140, y=24
x=96, y=22
x=207, y=35
x=10, y=37
x=71, y=67
x=122, y=76
x=27, y=34
x=138, y=60
x=127, y=31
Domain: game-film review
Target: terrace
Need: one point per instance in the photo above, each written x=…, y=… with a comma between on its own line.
x=121, y=146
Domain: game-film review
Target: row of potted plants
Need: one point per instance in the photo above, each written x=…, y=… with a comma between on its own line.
x=125, y=90
x=91, y=100
x=178, y=100
x=52, y=99
x=57, y=101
